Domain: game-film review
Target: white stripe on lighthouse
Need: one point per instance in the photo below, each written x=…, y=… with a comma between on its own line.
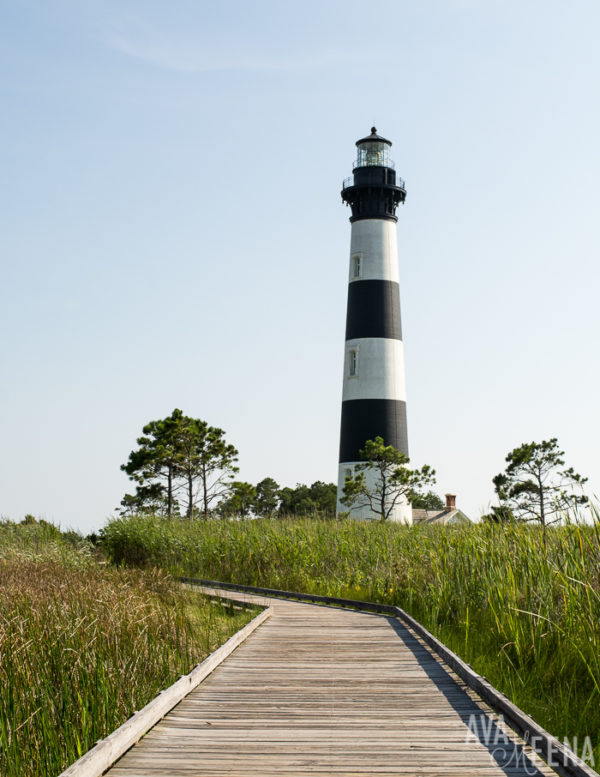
x=402, y=511
x=374, y=369
x=374, y=242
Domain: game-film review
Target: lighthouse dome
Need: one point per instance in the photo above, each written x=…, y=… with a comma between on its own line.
x=374, y=137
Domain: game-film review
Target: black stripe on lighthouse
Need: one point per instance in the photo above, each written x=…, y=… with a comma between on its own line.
x=373, y=310
x=366, y=419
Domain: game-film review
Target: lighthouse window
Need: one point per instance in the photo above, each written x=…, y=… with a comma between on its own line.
x=356, y=266
x=353, y=363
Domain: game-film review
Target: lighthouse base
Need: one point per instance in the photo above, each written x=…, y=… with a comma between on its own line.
x=401, y=512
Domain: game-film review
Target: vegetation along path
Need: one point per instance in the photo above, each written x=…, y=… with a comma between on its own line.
x=320, y=691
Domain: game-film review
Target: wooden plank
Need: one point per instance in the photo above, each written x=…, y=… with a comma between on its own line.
x=97, y=760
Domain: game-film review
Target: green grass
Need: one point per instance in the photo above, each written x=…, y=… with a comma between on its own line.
x=83, y=645
x=523, y=611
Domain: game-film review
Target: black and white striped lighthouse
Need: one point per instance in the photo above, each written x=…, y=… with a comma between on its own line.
x=374, y=395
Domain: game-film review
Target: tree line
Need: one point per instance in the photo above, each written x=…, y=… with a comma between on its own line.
x=182, y=466
x=185, y=467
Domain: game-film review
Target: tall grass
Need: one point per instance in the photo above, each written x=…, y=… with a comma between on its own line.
x=82, y=646
x=524, y=611
x=44, y=541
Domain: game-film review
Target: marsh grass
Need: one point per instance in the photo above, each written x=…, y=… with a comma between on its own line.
x=524, y=610
x=82, y=646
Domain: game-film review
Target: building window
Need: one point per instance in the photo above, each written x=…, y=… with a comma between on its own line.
x=348, y=474
x=353, y=363
x=356, y=267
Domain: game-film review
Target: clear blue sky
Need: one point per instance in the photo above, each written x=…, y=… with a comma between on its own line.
x=172, y=235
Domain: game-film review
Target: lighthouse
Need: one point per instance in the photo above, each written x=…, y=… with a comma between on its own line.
x=374, y=394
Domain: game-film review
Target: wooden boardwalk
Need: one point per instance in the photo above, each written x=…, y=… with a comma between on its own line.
x=321, y=691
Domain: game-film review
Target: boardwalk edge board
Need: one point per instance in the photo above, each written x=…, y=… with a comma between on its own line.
x=243, y=604
x=561, y=758
x=107, y=751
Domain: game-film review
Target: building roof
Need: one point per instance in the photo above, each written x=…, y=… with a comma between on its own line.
x=440, y=516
